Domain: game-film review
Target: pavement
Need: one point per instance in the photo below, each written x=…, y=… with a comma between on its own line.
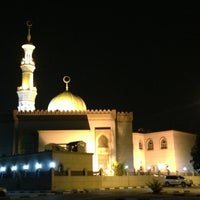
x=27, y=194
x=146, y=193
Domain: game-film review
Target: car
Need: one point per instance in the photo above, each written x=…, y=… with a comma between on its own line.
x=172, y=180
x=3, y=192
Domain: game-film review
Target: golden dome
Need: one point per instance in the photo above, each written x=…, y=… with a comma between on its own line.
x=66, y=101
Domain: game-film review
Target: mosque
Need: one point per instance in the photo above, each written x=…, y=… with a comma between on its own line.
x=107, y=135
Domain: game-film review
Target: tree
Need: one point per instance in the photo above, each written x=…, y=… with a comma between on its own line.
x=195, y=154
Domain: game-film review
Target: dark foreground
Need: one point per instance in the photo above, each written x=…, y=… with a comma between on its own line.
x=111, y=194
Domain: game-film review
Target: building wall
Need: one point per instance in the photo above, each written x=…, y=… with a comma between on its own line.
x=63, y=137
x=73, y=161
x=139, y=161
x=66, y=164
x=171, y=159
x=183, y=143
x=162, y=158
x=124, y=142
x=103, y=149
x=36, y=129
x=96, y=182
x=103, y=124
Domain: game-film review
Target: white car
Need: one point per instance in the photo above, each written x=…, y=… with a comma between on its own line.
x=172, y=180
x=3, y=192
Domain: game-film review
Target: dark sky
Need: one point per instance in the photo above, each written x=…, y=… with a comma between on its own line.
x=129, y=58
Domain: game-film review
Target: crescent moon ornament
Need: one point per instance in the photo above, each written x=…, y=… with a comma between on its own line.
x=66, y=79
x=28, y=23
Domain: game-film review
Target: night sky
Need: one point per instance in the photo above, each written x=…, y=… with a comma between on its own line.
x=131, y=59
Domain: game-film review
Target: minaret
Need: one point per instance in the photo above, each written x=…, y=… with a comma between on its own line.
x=27, y=92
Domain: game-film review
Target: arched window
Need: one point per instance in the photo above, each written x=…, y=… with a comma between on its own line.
x=103, y=141
x=140, y=145
x=163, y=143
x=150, y=145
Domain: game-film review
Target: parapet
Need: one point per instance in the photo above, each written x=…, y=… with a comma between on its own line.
x=125, y=116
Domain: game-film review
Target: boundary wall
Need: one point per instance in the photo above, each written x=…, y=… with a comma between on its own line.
x=98, y=182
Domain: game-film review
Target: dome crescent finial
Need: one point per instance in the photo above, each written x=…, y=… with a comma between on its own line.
x=66, y=79
x=29, y=24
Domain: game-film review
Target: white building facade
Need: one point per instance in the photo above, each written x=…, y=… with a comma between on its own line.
x=163, y=152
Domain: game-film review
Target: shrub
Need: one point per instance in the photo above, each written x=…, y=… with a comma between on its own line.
x=118, y=168
x=155, y=185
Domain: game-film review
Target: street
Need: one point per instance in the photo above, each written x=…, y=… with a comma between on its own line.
x=115, y=194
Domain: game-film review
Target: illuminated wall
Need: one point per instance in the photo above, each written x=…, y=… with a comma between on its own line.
x=165, y=151
x=99, y=129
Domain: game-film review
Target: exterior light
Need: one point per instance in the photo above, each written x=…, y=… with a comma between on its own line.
x=52, y=164
x=2, y=169
x=148, y=168
x=184, y=168
x=25, y=167
x=14, y=168
x=100, y=166
x=38, y=166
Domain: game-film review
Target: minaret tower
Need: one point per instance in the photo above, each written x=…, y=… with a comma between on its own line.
x=27, y=92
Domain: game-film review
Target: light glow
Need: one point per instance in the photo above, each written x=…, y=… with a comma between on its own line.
x=3, y=169
x=52, y=164
x=184, y=168
x=25, y=167
x=38, y=166
x=14, y=168
x=148, y=168
x=161, y=166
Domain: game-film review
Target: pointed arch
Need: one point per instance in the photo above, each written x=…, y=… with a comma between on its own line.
x=103, y=141
x=140, y=144
x=163, y=143
x=150, y=145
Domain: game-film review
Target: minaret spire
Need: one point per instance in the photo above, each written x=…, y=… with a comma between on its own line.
x=29, y=24
x=27, y=92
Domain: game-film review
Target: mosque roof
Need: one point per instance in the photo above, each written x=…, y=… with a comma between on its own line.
x=66, y=101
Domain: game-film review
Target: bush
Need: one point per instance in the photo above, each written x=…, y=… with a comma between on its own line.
x=118, y=168
x=155, y=185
